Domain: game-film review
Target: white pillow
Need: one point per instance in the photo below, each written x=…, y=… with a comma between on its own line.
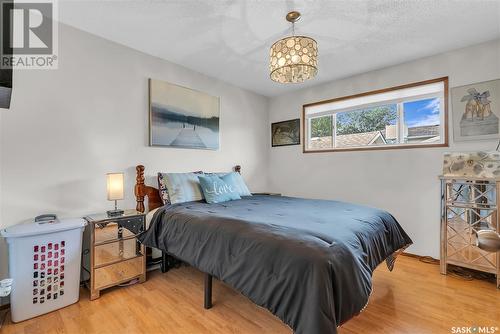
x=183, y=187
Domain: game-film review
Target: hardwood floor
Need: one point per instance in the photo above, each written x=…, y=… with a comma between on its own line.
x=414, y=298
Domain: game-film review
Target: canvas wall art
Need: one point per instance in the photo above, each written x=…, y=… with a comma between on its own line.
x=476, y=110
x=285, y=133
x=182, y=117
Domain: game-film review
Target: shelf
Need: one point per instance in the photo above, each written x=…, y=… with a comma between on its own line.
x=118, y=272
x=109, y=253
x=105, y=232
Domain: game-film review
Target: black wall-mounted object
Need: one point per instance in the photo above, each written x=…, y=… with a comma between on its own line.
x=5, y=87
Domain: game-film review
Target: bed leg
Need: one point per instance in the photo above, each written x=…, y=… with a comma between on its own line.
x=164, y=262
x=208, y=291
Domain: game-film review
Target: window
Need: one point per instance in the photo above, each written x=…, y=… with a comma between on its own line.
x=400, y=117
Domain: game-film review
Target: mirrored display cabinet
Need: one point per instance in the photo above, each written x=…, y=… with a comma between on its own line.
x=469, y=207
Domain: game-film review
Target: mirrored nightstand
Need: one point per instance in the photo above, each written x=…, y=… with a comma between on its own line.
x=115, y=255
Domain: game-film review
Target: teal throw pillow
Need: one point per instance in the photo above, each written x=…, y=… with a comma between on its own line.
x=216, y=190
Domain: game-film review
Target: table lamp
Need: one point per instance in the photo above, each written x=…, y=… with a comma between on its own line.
x=115, y=191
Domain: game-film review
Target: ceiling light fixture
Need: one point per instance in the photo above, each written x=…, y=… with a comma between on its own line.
x=293, y=59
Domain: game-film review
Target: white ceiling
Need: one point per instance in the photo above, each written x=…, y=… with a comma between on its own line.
x=230, y=39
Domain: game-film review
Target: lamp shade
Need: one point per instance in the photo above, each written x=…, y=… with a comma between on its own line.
x=293, y=59
x=115, y=186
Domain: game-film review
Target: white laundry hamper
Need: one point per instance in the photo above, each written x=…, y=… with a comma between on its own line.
x=44, y=262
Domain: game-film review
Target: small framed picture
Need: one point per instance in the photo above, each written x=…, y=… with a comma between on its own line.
x=476, y=110
x=285, y=133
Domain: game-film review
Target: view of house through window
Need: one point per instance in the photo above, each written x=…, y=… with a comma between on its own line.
x=397, y=117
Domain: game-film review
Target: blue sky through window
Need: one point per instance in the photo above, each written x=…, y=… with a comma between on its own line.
x=421, y=113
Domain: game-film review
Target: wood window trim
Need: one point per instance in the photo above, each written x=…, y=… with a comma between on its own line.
x=444, y=80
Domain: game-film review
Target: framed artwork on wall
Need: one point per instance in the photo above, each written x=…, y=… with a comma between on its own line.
x=182, y=117
x=285, y=133
x=476, y=110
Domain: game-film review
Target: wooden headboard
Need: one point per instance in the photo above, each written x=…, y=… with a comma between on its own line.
x=152, y=193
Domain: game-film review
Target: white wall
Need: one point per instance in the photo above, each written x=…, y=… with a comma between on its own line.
x=404, y=182
x=67, y=128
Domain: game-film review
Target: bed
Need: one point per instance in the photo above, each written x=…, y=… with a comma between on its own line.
x=309, y=262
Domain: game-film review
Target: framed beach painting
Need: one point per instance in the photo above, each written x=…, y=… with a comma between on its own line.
x=182, y=117
x=285, y=133
x=476, y=110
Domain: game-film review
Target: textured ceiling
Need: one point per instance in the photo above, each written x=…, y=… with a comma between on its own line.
x=230, y=39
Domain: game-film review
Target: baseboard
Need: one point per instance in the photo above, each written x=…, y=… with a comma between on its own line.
x=415, y=256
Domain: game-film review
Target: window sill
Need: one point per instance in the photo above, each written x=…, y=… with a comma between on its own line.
x=375, y=148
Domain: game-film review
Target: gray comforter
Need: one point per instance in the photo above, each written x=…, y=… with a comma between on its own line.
x=309, y=262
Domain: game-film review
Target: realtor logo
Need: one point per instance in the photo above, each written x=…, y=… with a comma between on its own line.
x=29, y=35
